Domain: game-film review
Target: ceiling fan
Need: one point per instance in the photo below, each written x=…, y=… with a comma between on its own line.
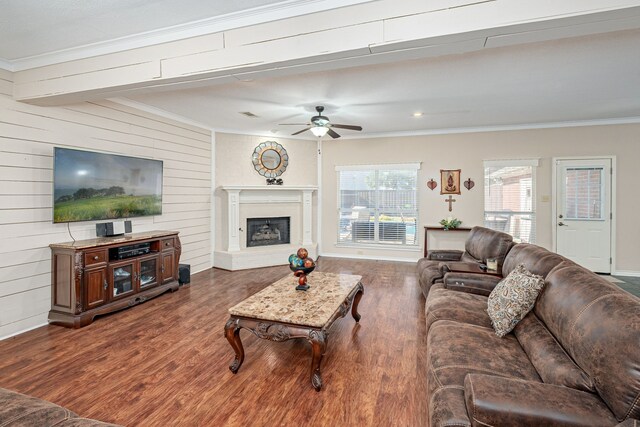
x=321, y=125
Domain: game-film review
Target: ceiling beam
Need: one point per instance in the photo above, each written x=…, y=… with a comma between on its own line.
x=367, y=33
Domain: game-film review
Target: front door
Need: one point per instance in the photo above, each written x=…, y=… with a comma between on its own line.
x=583, y=209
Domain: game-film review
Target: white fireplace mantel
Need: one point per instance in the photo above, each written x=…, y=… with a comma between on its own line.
x=263, y=194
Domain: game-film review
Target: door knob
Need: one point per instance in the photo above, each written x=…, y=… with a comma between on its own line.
x=562, y=223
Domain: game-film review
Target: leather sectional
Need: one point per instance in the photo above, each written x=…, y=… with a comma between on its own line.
x=574, y=360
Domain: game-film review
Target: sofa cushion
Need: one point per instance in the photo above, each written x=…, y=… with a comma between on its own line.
x=496, y=401
x=447, y=304
x=598, y=324
x=457, y=349
x=550, y=360
x=534, y=258
x=512, y=299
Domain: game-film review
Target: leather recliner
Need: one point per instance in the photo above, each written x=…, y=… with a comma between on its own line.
x=482, y=243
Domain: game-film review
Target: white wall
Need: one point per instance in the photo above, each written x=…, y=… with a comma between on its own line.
x=234, y=167
x=467, y=151
x=27, y=137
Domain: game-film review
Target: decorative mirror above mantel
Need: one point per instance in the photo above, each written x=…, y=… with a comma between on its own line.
x=270, y=159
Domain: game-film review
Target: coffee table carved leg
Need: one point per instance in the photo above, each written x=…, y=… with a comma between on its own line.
x=318, y=340
x=232, y=332
x=356, y=301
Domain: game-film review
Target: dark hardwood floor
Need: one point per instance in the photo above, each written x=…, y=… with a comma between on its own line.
x=165, y=362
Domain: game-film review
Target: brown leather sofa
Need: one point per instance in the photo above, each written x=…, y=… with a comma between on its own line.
x=481, y=244
x=573, y=361
x=19, y=410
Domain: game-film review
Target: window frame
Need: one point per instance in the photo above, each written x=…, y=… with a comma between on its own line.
x=534, y=164
x=376, y=242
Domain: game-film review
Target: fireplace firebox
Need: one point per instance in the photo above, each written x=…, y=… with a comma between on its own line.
x=268, y=231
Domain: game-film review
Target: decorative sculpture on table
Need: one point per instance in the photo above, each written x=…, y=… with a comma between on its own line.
x=301, y=265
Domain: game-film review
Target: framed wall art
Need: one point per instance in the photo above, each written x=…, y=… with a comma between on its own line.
x=450, y=181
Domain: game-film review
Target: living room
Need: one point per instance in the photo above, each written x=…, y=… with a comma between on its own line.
x=452, y=88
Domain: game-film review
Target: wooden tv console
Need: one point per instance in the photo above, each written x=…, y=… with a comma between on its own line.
x=88, y=279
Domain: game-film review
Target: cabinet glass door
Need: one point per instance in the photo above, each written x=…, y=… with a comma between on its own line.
x=123, y=280
x=148, y=272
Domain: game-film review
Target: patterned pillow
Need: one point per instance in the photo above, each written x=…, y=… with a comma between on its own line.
x=513, y=298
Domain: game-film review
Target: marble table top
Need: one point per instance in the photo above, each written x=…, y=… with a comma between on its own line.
x=281, y=302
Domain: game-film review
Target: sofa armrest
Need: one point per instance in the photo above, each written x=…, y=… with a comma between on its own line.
x=444, y=255
x=500, y=401
x=481, y=284
x=629, y=422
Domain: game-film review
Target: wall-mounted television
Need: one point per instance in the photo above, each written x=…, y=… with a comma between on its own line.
x=89, y=186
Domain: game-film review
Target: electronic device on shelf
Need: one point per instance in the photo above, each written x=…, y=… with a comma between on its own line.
x=128, y=251
x=115, y=228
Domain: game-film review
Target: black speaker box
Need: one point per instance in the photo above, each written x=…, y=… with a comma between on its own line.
x=108, y=229
x=184, y=274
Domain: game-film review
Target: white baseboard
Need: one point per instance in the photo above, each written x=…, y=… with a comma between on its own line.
x=23, y=331
x=371, y=257
x=627, y=273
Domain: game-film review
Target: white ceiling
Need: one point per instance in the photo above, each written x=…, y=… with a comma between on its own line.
x=36, y=27
x=576, y=79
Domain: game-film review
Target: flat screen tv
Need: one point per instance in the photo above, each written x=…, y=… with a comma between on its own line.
x=89, y=186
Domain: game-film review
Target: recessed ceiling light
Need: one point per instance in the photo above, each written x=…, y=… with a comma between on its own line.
x=418, y=114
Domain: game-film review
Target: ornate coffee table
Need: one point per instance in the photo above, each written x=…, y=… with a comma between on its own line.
x=280, y=313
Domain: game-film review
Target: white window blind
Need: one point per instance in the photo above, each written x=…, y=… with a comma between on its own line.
x=378, y=204
x=509, y=198
x=584, y=194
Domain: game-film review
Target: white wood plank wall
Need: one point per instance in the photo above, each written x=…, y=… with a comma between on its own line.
x=27, y=136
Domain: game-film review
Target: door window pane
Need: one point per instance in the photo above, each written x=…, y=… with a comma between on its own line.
x=583, y=193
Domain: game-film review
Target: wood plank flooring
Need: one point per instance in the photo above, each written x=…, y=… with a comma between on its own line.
x=165, y=362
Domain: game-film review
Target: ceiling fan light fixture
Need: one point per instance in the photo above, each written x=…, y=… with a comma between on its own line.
x=319, y=131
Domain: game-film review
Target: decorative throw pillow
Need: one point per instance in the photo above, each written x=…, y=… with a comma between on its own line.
x=513, y=298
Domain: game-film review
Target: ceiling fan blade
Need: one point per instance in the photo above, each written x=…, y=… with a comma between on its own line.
x=300, y=131
x=350, y=127
x=294, y=124
x=333, y=134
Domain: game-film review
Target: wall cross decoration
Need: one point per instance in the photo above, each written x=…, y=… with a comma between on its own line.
x=450, y=200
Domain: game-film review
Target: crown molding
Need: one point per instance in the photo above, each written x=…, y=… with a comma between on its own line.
x=446, y=131
x=7, y=65
x=477, y=129
x=216, y=24
x=262, y=134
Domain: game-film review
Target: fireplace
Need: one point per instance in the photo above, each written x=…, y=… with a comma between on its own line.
x=268, y=231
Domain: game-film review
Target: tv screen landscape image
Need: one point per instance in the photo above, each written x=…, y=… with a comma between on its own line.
x=89, y=186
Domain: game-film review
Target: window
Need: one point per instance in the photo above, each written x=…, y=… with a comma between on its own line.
x=509, y=198
x=584, y=194
x=378, y=204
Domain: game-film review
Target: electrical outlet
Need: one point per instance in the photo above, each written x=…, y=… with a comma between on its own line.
x=359, y=252
x=545, y=199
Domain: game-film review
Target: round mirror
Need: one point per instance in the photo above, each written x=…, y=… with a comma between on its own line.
x=270, y=159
